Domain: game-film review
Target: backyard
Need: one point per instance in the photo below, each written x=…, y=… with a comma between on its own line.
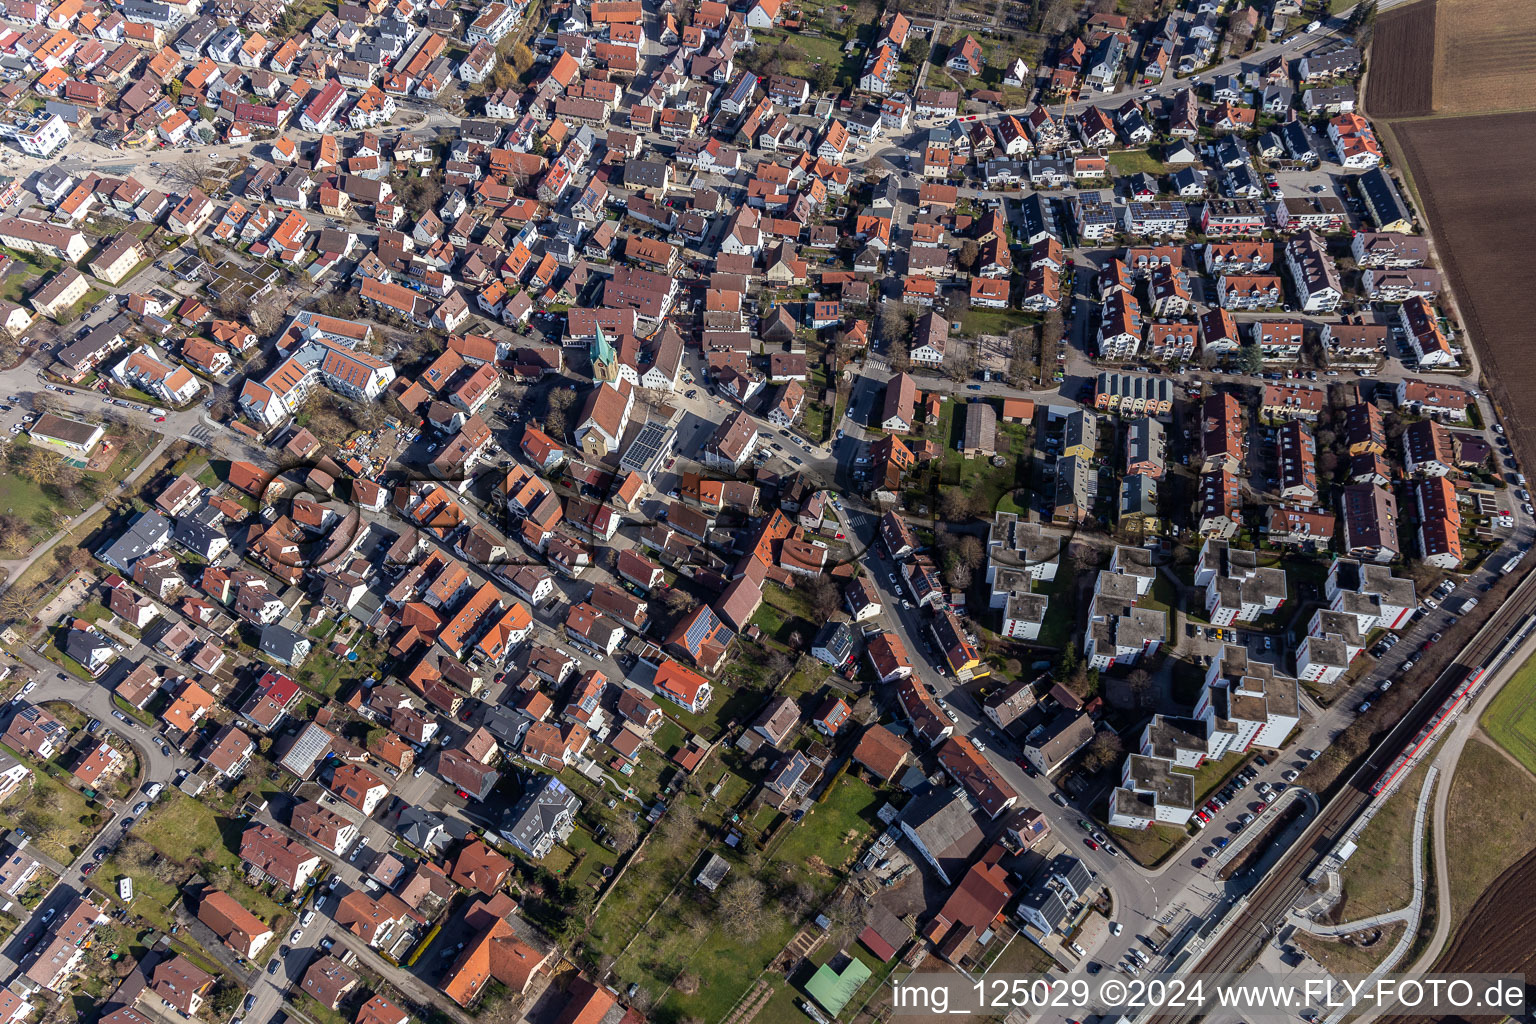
x=328, y=676
x=986, y=484
x=56, y=818
x=189, y=833
x=667, y=940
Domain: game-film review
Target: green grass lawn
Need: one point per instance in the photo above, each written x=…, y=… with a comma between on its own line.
x=1022, y=957
x=133, y=712
x=682, y=938
x=1511, y=718
x=1135, y=161
x=315, y=1011
x=805, y=52
x=832, y=831
x=153, y=900
x=1061, y=614
x=20, y=496
x=16, y=286
x=57, y=819
x=1162, y=597
x=813, y=423
x=329, y=676
x=182, y=828
x=669, y=735
x=784, y=612
x=815, y=851
x=594, y=857
x=1491, y=823
x=809, y=677
x=1210, y=776
x=1148, y=846
x=995, y=321
x=978, y=475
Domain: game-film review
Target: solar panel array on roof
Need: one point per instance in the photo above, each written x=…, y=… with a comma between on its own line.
x=648, y=447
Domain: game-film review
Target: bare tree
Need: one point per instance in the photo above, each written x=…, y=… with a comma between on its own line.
x=623, y=833
x=1103, y=750
x=679, y=824
x=1141, y=686
x=679, y=601
x=42, y=466
x=15, y=603
x=13, y=532
x=954, y=504
x=780, y=665
x=822, y=594
x=559, y=400
x=895, y=322
x=741, y=905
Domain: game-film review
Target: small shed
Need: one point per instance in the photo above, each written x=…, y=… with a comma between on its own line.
x=713, y=872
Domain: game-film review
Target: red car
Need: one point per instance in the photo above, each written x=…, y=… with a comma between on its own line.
x=1258, y=808
x=159, y=419
x=1091, y=844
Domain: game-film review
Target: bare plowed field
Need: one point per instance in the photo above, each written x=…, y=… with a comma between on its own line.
x=1474, y=176
x=1485, y=55
x=1498, y=936
x=1402, y=48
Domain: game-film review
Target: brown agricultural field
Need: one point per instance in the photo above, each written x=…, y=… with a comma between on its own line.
x=1498, y=936
x=1485, y=56
x=1401, y=48
x=1474, y=177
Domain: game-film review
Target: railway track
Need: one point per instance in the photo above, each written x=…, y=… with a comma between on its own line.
x=1274, y=895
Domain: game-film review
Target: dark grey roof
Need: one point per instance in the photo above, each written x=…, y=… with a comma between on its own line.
x=200, y=529
x=281, y=643
x=645, y=173
x=147, y=533
x=423, y=829
x=539, y=813
x=83, y=646
x=1073, y=873
x=1047, y=902
x=1038, y=216
x=1381, y=197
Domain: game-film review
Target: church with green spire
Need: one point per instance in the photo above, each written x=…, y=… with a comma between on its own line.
x=605, y=359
